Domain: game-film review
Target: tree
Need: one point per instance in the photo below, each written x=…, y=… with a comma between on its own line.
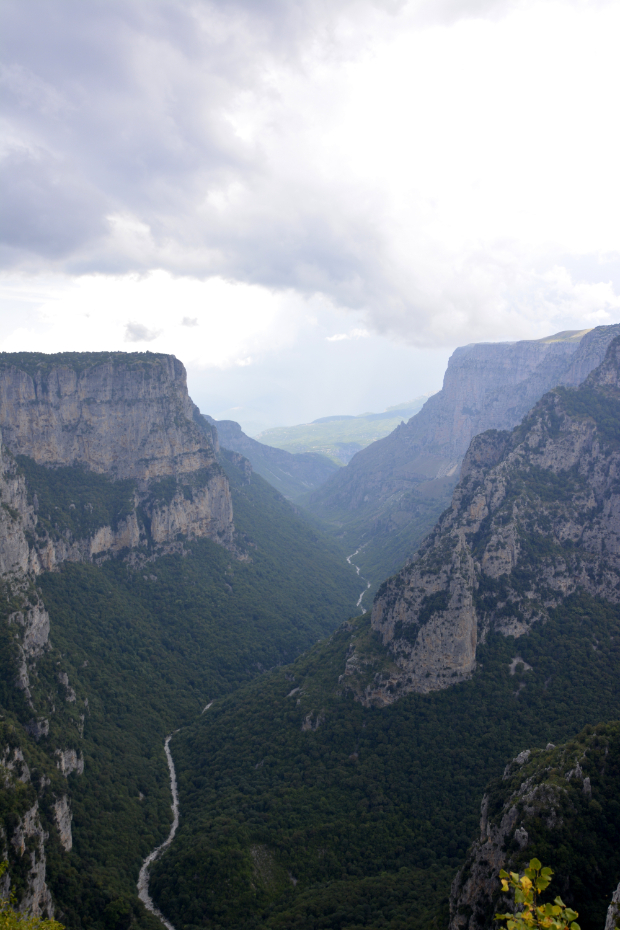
x=10, y=919
x=534, y=916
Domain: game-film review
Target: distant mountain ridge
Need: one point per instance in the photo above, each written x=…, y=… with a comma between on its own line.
x=390, y=494
x=341, y=437
x=292, y=474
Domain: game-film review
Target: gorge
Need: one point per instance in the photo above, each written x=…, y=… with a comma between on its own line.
x=149, y=574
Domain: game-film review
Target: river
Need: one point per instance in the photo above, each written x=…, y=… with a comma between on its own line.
x=357, y=569
x=143, y=878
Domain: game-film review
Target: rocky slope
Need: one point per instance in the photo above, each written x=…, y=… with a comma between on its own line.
x=559, y=805
x=535, y=516
x=390, y=494
x=292, y=474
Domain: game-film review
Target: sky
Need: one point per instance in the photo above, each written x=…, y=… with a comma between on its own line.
x=311, y=204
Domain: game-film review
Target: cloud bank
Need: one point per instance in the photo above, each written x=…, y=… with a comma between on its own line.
x=445, y=171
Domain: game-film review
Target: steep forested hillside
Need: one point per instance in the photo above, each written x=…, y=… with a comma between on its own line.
x=153, y=608
x=370, y=755
x=369, y=809
x=150, y=646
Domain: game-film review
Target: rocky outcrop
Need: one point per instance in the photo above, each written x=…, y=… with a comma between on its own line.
x=69, y=760
x=613, y=911
x=293, y=474
x=123, y=415
x=545, y=799
x=535, y=515
x=29, y=840
x=63, y=818
x=398, y=486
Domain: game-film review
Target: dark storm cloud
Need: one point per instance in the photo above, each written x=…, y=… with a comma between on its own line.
x=120, y=109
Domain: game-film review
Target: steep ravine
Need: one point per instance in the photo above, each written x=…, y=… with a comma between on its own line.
x=143, y=878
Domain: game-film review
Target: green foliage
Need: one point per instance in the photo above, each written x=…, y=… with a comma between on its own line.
x=340, y=437
x=34, y=363
x=150, y=646
x=10, y=919
x=366, y=791
x=534, y=916
x=74, y=499
x=594, y=403
x=582, y=842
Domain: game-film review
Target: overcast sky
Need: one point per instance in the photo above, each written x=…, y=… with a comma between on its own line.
x=310, y=203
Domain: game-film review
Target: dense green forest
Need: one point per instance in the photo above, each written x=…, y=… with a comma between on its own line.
x=366, y=809
x=149, y=644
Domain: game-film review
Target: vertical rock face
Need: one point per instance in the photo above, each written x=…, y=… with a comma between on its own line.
x=486, y=386
x=128, y=415
x=63, y=818
x=29, y=840
x=535, y=515
x=613, y=912
x=124, y=415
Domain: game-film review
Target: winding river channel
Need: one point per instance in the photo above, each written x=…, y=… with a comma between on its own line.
x=143, y=878
x=357, y=569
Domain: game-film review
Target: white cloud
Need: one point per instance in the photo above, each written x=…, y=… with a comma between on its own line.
x=137, y=332
x=440, y=170
x=354, y=334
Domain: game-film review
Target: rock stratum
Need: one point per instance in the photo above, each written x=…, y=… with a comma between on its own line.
x=390, y=494
x=534, y=518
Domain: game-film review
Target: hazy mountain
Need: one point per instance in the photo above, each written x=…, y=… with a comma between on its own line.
x=292, y=474
x=340, y=437
x=388, y=497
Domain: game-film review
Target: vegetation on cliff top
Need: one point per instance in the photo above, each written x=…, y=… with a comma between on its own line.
x=34, y=363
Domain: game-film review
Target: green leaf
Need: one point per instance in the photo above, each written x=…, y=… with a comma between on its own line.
x=535, y=864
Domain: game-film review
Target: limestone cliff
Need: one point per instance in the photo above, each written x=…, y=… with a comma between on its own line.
x=535, y=516
x=128, y=415
x=125, y=416
x=559, y=805
x=388, y=497
x=101, y=455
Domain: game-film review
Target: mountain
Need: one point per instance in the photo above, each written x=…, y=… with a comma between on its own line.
x=291, y=474
x=561, y=805
x=343, y=790
x=144, y=572
x=340, y=437
x=533, y=519
x=385, y=501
